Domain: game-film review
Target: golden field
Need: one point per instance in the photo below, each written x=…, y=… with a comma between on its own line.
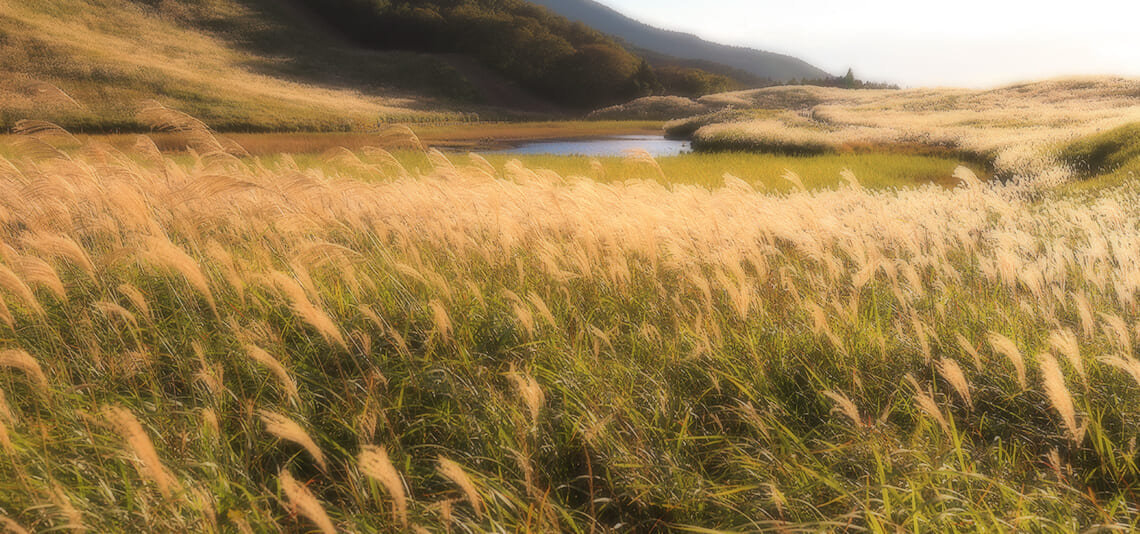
x=209, y=341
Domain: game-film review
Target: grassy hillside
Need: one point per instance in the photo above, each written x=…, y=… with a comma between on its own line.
x=237, y=64
x=569, y=63
x=1017, y=129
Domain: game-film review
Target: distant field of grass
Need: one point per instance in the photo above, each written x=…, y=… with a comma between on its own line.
x=1013, y=130
x=876, y=170
x=763, y=171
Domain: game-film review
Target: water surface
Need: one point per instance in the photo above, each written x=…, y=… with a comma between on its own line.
x=617, y=145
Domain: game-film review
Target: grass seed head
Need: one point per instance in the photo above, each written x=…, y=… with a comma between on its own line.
x=375, y=463
x=845, y=406
x=6, y=413
x=1065, y=342
x=952, y=373
x=264, y=358
x=74, y=517
x=1060, y=397
x=440, y=318
x=530, y=392
x=455, y=473
x=10, y=526
x=149, y=465
x=305, y=502
x=12, y=283
x=6, y=440
x=926, y=403
x=1006, y=347
x=161, y=252
x=288, y=430
x=22, y=361
x=136, y=298
x=308, y=312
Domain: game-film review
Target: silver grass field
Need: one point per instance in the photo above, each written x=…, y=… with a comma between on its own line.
x=208, y=342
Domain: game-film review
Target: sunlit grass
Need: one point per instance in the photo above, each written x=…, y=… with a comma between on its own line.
x=355, y=341
x=763, y=171
x=89, y=67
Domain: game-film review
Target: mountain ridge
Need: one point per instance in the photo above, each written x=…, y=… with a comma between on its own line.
x=766, y=65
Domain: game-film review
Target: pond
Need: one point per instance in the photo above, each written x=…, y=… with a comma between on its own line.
x=617, y=145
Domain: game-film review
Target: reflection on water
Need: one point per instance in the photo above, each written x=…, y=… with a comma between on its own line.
x=607, y=146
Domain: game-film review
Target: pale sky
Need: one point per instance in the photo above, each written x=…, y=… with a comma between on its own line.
x=970, y=43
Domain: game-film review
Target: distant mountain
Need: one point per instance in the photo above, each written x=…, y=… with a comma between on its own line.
x=765, y=65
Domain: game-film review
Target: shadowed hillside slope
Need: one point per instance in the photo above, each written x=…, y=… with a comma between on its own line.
x=237, y=64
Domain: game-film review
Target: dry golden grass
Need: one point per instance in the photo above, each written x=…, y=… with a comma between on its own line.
x=1017, y=127
x=139, y=443
x=455, y=473
x=264, y=358
x=289, y=430
x=580, y=345
x=24, y=362
x=305, y=502
x=1060, y=397
x=375, y=463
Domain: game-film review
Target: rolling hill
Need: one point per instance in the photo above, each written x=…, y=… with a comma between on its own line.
x=764, y=65
x=267, y=65
x=252, y=65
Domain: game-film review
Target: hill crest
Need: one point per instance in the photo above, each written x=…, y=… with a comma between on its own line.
x=766, y=65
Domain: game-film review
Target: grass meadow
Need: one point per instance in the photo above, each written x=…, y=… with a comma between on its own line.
x=372, y=340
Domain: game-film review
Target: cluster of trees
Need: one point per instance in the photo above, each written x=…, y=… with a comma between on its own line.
x=693, y=82
x=847, y=81
x=566, y=62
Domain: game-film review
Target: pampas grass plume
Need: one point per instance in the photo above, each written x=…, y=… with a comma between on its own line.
x=264, y=358
x=149, y=465
x=284, y=428
x=18, y=359
x=845, y=406
x=375, y=463
x=1060, y=397
x=952, y=373
x=305, y=502
x=1005, y=346
x=455, y=473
